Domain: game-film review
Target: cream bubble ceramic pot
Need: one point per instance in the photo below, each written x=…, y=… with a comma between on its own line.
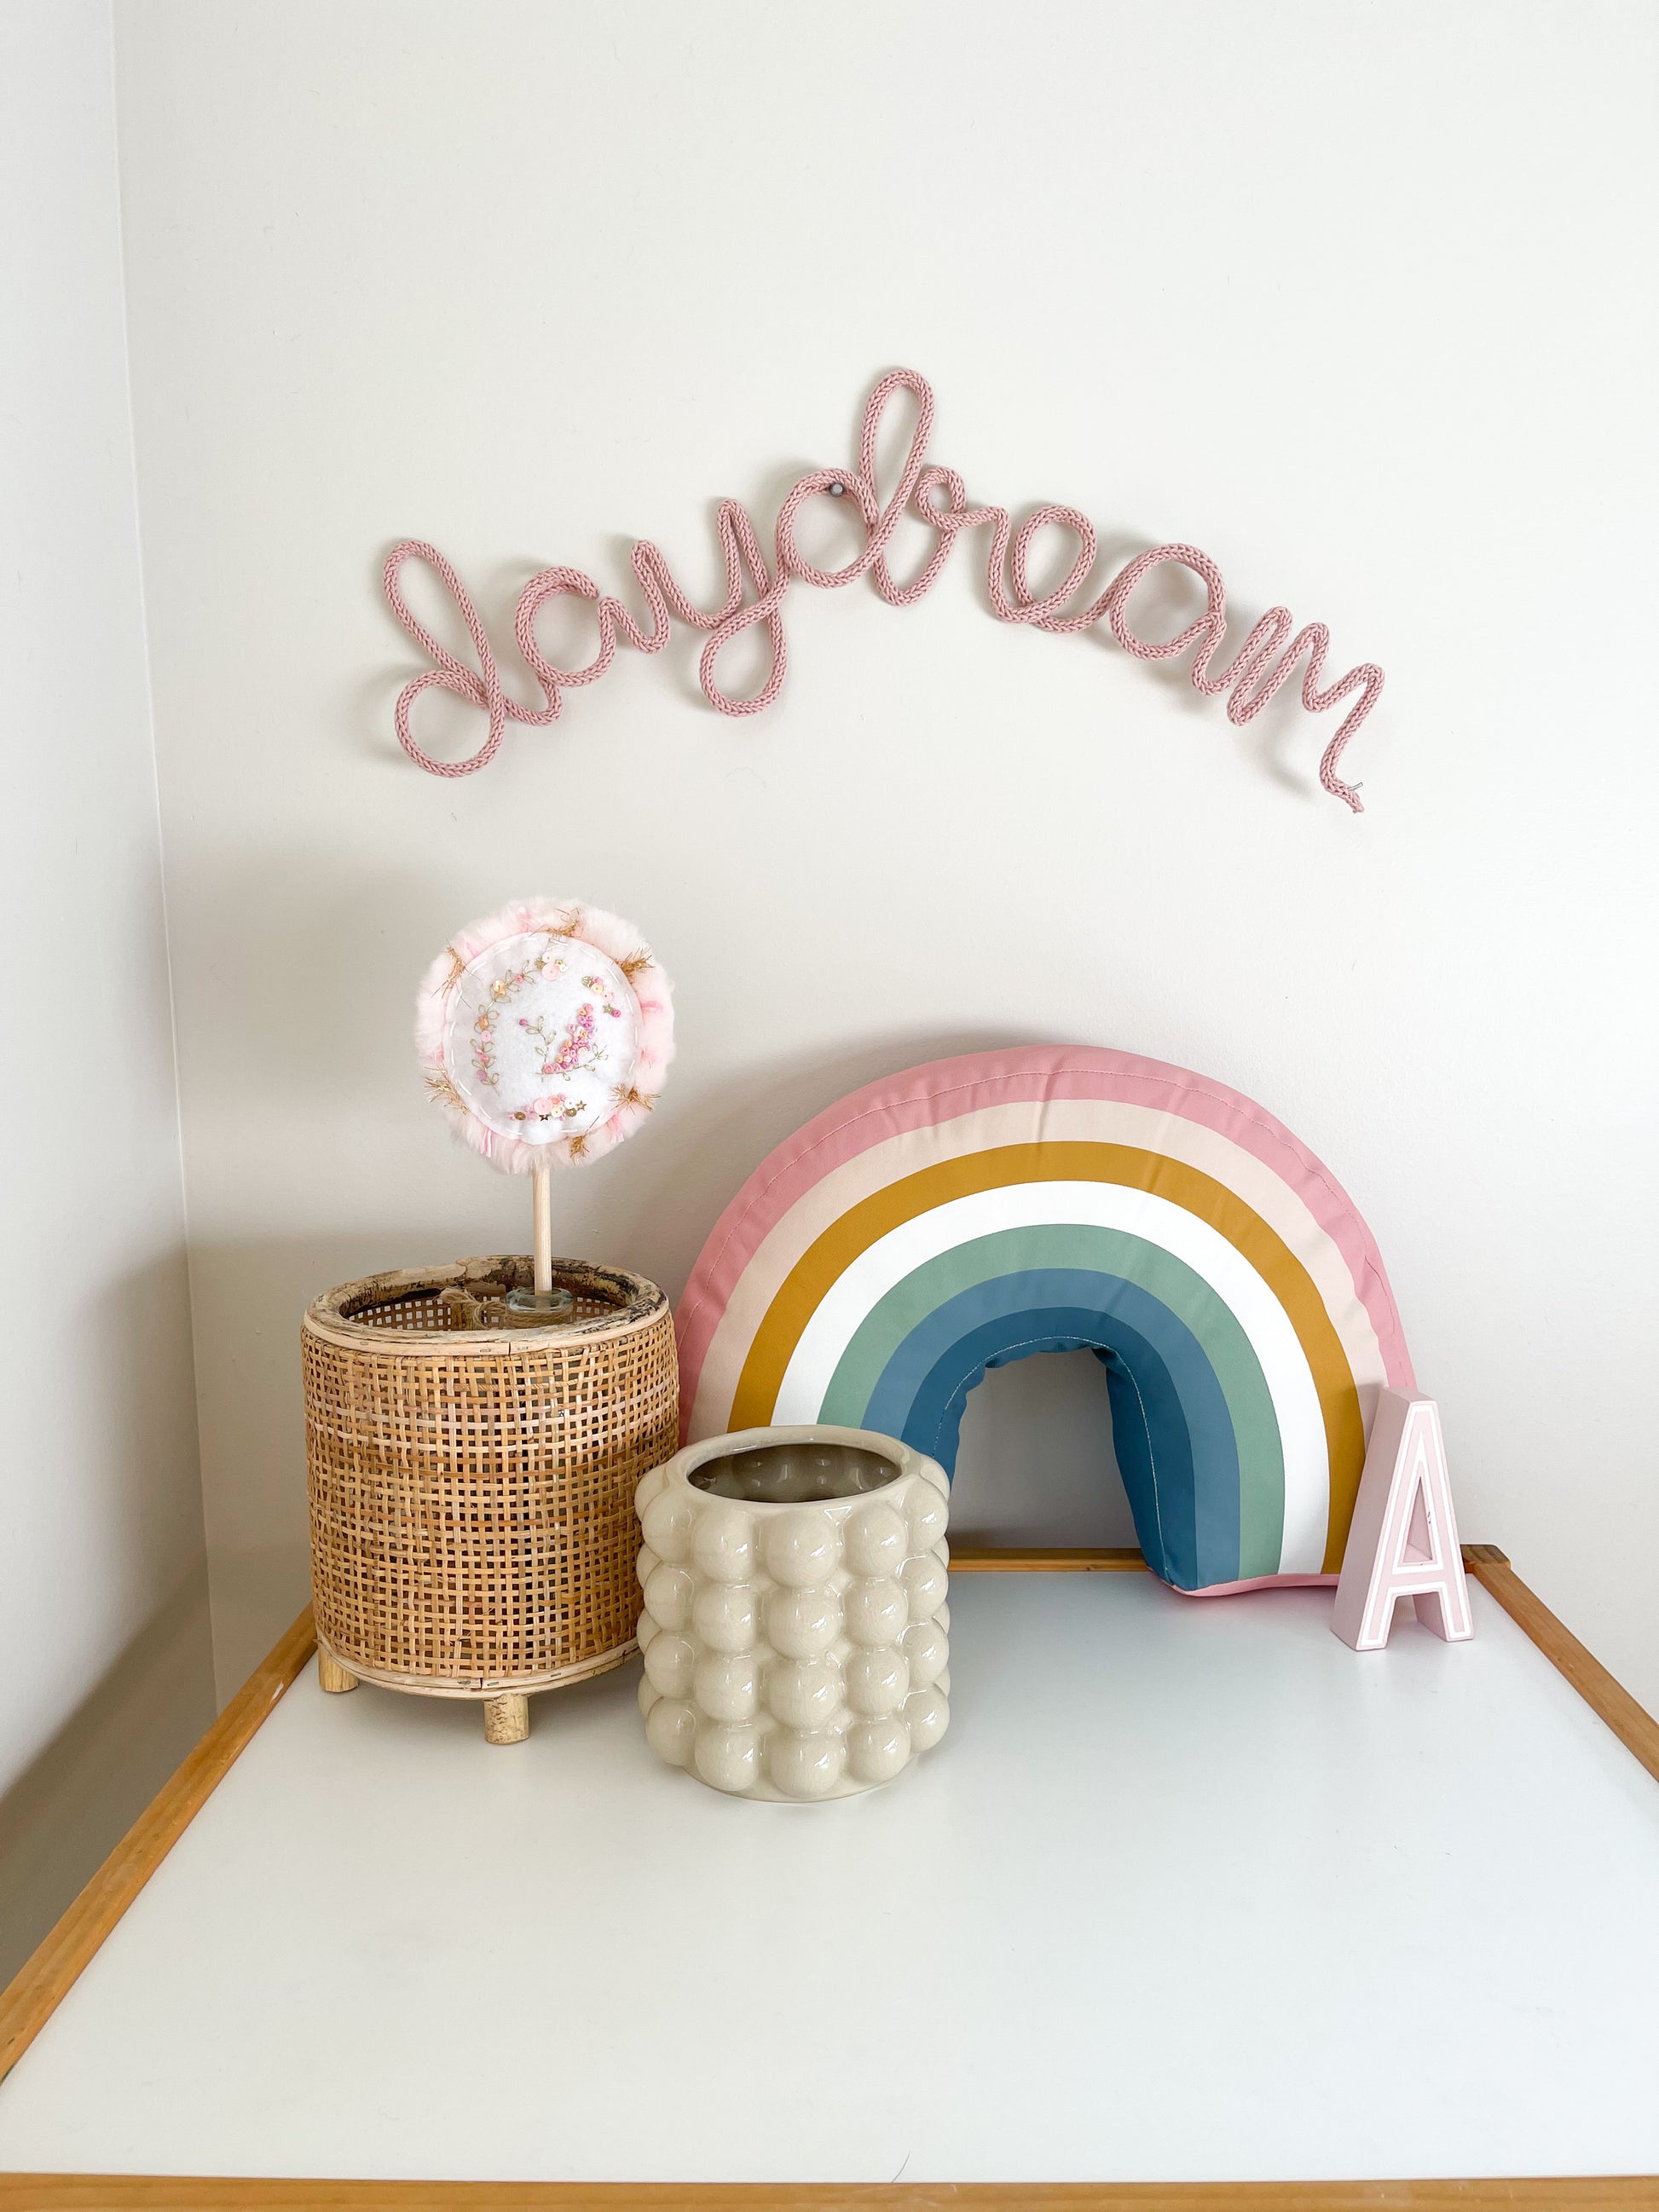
x=795, y=1621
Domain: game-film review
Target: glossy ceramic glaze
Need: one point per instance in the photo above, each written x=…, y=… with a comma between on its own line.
x=795, y=1629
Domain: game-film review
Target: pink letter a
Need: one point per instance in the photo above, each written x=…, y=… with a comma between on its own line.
x=1403, y=1542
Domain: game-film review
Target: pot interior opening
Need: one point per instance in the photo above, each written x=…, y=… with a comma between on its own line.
x=794, y=1475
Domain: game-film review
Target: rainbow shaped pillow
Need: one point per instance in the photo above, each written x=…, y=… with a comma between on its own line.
x=975, y=1211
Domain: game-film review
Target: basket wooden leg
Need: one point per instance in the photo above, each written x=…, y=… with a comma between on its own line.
x=506, y=1719
x=332, y=1675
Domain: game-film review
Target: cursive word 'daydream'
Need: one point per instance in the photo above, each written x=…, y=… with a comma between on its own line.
x=755, y=590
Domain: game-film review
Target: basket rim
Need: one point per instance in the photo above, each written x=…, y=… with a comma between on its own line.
x=905, y=1460
x=640, y=1302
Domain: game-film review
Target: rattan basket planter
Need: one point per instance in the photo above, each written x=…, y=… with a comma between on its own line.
x=472, y=1524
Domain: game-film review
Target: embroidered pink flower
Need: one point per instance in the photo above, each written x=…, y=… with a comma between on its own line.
x=576, y=1042
x=575, y=1052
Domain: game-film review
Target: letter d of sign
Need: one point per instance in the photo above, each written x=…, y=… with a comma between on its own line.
x=1403, y=1543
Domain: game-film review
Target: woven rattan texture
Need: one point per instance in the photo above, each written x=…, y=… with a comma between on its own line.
x=471, y=1486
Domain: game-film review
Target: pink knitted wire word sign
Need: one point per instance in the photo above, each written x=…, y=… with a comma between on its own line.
x=936, y=497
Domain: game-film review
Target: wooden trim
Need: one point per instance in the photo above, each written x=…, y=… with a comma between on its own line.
x=1016, y=1559
x=65, y=2192
x=1635, y=1728
x=47, y=1977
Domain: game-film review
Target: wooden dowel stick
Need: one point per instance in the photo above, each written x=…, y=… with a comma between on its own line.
x=542, y=1200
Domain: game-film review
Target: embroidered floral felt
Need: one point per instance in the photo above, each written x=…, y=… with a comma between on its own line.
x=546, y=1031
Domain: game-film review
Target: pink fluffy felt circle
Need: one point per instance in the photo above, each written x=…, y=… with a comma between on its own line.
x=545, y=1032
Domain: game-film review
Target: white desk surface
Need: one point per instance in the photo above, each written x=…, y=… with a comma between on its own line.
x=1190, y=1891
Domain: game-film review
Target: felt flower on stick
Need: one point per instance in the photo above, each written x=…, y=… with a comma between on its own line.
x=545, y=1032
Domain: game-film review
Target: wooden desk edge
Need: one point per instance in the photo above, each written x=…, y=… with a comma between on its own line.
x=137, y=2192
x=1634, y=1726
x=43, y=1983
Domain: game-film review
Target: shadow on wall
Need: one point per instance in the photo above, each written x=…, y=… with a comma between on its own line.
x=73, y=1804
x=125, y=1356
x=1036, y=1464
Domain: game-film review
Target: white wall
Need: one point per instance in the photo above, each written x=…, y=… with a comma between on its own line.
x=106, y=1673
x=1354, y=298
